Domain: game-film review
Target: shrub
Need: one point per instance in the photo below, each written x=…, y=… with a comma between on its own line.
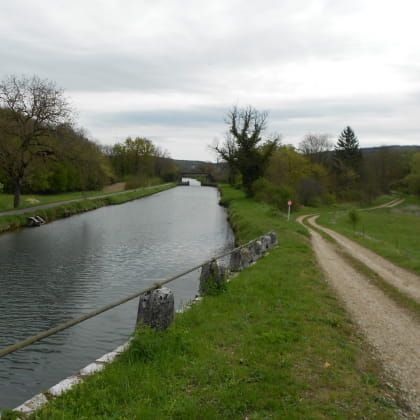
x=266, y=191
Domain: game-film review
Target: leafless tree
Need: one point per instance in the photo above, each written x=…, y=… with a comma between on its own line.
x=315, y=147
x=31, y=109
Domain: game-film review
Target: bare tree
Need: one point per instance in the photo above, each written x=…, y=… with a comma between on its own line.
x=315, y=147
x=32, y=109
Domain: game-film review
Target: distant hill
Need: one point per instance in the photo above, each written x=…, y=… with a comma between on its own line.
x=398, y=149
x=192, y=165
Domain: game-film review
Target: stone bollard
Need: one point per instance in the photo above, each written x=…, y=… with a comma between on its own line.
x=156, y=309
x=252, y=253
x=212, y=278
x=266, y=242
x=245, y=257
x=273, y=237
x=258, y=249
x=235, y=262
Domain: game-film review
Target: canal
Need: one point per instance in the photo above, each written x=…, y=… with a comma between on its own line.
x=65, y=269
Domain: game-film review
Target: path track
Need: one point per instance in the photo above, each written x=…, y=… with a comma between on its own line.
x=391, y=329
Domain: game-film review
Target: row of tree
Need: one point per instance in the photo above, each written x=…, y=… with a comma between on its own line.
x=317, y=171
x=42, y=151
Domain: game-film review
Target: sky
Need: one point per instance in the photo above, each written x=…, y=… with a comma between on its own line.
x=170, y=70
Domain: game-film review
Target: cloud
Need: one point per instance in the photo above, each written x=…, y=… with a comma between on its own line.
x=170, y=69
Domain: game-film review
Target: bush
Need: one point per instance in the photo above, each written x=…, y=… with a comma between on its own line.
x=310, y=192
x=265, y=191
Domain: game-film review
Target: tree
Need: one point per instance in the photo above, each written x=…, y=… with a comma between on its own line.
x=244, y=149
x=347, y=149
x=32, y=109
x=315, y=147
x=134, y=157
x=347, y=160
x=228, y=153
x=413, y=178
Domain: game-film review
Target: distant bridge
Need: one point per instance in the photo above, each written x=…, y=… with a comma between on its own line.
x=190, y=174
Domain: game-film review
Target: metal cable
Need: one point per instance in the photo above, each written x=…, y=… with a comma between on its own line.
x=61, y=327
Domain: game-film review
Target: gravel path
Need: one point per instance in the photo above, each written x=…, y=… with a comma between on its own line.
x=388, y=327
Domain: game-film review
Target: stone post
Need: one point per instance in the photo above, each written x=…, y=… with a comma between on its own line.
x=258, y=249
x=156, y=309
x=212, y=278
x=235, y=262
x=266, y=242
x=273, y=237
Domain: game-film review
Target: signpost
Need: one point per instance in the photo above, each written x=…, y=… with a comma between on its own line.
x=289, y=203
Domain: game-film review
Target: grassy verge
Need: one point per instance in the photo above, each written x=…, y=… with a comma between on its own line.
x=392, y=233
x=12, y=222
x=30, y=200
x=276, y=345
x=400, y=298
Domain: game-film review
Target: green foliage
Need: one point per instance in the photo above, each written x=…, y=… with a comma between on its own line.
x=278, y=196
x=10, y=415
x=347, y=149
x=347, y=162
x=33, y=110
x=244, y=149
x=413, y=178
x=354, y=218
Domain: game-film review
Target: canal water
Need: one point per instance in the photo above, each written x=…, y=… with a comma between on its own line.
x=65, y=269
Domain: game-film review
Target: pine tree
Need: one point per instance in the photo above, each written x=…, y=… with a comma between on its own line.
x=347, y=150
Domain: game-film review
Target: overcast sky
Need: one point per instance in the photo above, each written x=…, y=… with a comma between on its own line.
x=169, y=70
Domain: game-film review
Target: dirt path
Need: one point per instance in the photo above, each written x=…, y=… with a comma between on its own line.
x=388, y=327
x=404, y=280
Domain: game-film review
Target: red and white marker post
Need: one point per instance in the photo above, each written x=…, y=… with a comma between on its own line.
x=290, y=204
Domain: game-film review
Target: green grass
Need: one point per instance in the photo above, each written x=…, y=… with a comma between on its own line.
x=393, y=233
x=276, y=345
x=6, y=200
x=12, y=222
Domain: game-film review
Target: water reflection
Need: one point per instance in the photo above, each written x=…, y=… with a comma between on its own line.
x=70, y=267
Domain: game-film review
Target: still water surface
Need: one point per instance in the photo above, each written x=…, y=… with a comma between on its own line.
x=68, y=268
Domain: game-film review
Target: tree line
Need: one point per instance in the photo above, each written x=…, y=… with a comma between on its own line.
x=317, y=171
x=42, y=151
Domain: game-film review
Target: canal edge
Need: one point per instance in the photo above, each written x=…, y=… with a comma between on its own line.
x=39, y=400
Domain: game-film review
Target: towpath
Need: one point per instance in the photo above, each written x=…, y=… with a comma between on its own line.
x=392, y=330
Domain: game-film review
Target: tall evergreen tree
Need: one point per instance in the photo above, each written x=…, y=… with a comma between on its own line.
x=347, y=162
x=347, y=150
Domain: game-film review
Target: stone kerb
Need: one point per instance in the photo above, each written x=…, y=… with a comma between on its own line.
x=156, y=309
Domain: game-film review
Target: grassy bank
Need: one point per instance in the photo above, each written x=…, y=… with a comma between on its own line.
x=392, y=233
x=276, y=345
x=30, y=200
x=12, y=222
